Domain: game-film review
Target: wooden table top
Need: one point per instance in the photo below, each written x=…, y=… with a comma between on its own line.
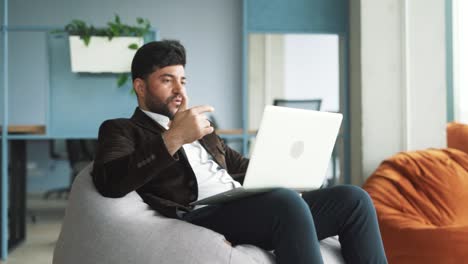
x=234, y=131
x=25, y=129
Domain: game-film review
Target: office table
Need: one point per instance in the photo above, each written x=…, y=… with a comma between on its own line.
x=17, y=175
x=17, y=183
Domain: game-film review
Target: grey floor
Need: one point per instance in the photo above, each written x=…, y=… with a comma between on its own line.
x=42, y=235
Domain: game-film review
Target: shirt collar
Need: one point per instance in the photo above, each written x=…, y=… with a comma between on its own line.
x=160, y=119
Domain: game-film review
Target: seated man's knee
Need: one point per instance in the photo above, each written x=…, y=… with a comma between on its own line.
x=290, y=209
x=283, y=197
x=356, y=195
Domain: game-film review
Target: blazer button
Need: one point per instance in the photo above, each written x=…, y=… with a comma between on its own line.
x=193, y=197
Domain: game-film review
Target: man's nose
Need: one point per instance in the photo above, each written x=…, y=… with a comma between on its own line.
x=178, y=88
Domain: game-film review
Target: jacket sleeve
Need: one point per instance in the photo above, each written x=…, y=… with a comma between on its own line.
x=120, y=167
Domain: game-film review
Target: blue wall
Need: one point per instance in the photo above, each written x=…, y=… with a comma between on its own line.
x=1, y=59
x=210, y=30
x=328, y=16
x=27, y=66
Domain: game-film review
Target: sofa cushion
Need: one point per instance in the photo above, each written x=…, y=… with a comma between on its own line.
x=457, y=136
x=420, y=198
x=126, y=230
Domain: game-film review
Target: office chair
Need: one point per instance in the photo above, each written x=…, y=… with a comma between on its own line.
x=79, y=152
x=310, y=104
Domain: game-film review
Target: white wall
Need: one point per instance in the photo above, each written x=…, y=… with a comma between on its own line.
x=381, y=64
x=426, y=78
x=460, y=59
x=311, y=68
x=292, y=66
x=403, y=102
x=265, y=74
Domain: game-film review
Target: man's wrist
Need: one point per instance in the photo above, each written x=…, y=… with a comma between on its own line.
x=172, y=142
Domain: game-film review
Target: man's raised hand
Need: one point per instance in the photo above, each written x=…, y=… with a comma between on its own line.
x=187, y=126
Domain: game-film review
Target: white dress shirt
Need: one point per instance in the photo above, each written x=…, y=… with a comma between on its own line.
x=211, y=178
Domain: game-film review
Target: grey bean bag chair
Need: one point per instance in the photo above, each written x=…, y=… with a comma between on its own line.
x=125, y=230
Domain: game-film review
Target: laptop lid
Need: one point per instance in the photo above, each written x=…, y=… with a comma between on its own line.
x=292, y=149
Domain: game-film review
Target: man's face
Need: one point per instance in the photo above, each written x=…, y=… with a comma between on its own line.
x=164, y=90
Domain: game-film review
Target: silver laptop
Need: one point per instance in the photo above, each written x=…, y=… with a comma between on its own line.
x=292, y=150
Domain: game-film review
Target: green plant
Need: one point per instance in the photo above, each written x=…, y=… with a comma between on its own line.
x=114, y=29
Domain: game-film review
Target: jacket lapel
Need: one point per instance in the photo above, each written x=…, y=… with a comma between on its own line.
x=209, y=142
x=146, y=122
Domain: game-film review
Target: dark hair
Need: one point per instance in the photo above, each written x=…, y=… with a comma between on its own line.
x=155, y=55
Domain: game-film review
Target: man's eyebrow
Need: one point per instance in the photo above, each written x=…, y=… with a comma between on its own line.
x=171, y=76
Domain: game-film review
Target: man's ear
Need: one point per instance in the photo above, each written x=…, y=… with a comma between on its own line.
x=139, y=87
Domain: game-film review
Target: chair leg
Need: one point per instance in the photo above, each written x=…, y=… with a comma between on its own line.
x=33, y=217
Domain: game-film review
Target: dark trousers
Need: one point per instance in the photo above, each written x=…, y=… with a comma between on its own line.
x=292, y=226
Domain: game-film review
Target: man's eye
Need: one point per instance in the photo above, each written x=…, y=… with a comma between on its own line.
x=166, y=80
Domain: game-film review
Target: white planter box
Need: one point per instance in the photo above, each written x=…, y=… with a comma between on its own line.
x=102, y=55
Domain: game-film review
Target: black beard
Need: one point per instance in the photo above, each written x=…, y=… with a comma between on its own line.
x=161, y=108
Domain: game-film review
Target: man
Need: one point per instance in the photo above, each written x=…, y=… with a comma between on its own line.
x=170, y=155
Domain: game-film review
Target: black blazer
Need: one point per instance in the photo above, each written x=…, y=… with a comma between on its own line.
x=131, y=156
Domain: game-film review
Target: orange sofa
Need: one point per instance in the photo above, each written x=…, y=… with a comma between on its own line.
x=421, y=199
x=457, y=136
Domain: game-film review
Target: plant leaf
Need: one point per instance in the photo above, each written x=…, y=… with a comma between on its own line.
x=133, y=46
x=122, y=79
x=114, y=28
x=86, y=39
